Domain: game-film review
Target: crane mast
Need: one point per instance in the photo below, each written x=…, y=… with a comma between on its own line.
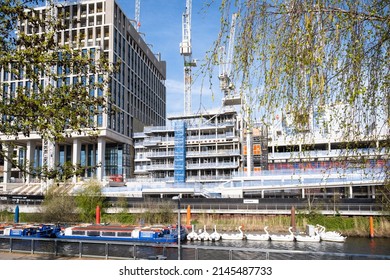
x=226, y=60
x=225, y=68
x=186, y=52
x=137, y=14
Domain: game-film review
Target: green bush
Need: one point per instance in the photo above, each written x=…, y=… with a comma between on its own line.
x=87, y=199
x=58, y=206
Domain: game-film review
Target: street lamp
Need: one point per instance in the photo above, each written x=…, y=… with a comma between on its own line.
x=177, y=197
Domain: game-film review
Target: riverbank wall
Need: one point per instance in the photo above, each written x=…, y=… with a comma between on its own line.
x=356, y=226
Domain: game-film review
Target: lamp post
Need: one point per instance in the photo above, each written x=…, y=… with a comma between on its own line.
x=178, y=226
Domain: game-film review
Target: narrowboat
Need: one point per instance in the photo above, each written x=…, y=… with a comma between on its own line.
x=123, y=233
x=37, y=231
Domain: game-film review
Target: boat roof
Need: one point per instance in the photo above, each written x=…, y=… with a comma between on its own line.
x=118, y=228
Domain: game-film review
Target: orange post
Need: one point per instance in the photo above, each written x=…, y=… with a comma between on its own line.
x=293, y=224
x=188, y=221
x=371, y=227
x=97, y=214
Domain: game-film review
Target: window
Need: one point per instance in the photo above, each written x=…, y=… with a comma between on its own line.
x=91, y=8
x=99, y=7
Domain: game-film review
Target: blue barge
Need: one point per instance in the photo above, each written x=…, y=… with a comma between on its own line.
x=122, y=233
x=28, y=231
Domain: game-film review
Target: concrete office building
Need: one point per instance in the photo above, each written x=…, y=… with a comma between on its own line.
x=137, y=91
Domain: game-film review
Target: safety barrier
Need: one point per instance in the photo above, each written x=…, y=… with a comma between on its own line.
x=126, y=250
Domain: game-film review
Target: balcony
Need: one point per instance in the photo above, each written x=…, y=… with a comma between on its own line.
x=212, y=153
x=156, y=167
x=152, y=141
x=336, y=153
x=160, y=154
x=212, y=165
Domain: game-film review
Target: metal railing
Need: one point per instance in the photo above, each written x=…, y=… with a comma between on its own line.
x=134, y=250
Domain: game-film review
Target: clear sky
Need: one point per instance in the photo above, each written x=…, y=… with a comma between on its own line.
x=161, y=22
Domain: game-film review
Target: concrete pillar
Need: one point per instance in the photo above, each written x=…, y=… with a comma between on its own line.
x=30, y=152
x=262, y=193
x=76, y=151
x=373, y=192
x=303, y=193
x=52, y=158
x=93, y=160
x=53, y=155
x=101, y=158
x=350, y=192
x=7, y=163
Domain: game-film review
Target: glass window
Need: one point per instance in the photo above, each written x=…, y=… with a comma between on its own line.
x=5, y=75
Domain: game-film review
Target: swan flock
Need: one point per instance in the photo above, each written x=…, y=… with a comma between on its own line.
x=320, y=234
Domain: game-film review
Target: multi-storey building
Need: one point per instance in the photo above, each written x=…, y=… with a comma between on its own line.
x=137, y=92
x=214, y=157
x=211, y=150
x=336, y=143
x=216, y=146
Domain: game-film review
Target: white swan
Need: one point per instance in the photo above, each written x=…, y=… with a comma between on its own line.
x=309, y=238
x=204, y=236
x=332, y=236
x=215, y=236
x=288, y=237
x=259, y=237
x=235, y=236
x=192, y=236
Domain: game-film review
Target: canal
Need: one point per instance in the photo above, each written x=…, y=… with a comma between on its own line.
x=353, y=248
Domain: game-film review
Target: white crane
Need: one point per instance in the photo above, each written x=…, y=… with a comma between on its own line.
x=137, y=14
x=226, y=60
x=230, y=98
x=186, y=52
x=225, y=68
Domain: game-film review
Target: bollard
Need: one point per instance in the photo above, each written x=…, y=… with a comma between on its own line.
x=293, y=218
x=371, y=227
x=97, y=214
x=16, y=217
x=188, y=221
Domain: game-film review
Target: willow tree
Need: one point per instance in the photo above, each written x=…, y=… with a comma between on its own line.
x=54, y=81
x=302, y=55
x=315, y=64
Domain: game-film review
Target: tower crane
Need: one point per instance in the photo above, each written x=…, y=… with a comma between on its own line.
x=186, y=52
x=137, y=14
x=226, y=60
x=227, y=87
x=225, y=68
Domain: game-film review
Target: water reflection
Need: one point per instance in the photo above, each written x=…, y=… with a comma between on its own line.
x=220, y=250
x=377, y=246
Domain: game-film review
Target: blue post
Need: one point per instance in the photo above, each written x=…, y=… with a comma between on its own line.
x=16, y=217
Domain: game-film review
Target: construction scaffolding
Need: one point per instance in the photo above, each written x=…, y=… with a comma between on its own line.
x=180, y=152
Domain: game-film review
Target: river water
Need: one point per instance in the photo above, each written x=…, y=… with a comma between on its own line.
x=353, y=248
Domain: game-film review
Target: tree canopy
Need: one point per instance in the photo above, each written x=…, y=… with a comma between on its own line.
x=50, y=87
x=317, y=67
x=53, y=85
x=303, y=57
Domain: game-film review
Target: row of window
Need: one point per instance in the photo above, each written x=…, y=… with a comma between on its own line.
x=117, y=161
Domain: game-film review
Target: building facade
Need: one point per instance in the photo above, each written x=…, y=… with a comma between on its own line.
x=137, y=91
x=211, y=150
x=195, y=148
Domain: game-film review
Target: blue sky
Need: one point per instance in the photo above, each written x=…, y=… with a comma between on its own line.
x=161, y=22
